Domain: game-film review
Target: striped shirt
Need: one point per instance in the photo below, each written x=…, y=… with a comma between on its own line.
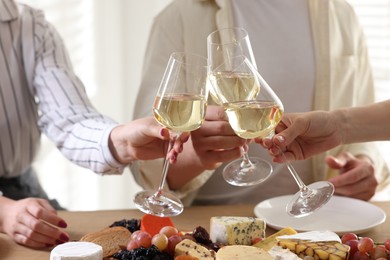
x=39, y=92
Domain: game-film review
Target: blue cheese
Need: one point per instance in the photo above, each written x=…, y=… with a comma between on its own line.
x=230, y=230
x=191, y=248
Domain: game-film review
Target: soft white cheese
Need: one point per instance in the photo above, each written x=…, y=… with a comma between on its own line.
x=313, y=236
x=77, y=251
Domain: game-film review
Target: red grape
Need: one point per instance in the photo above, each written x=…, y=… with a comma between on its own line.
x=169, y=231
x=378, y=252
x=132, y=245
x=387, y=244
x=144, y=239
x=365, y=244
x=353, y=246
x=360, y=256
x=348, y=236
x=172, y=242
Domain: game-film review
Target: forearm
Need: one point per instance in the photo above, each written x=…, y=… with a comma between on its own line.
x=364, y=124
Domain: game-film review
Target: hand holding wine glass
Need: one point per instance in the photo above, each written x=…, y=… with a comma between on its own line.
x=180, y=106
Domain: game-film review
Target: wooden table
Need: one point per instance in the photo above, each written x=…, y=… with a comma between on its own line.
x=80, y=223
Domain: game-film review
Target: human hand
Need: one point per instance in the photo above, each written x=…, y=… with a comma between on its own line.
x=32, y=222
x=356, y=177
x=215, y=141
x=302, y=135
x=143, y=139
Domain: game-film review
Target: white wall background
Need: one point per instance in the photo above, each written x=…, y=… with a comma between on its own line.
x=106, y=40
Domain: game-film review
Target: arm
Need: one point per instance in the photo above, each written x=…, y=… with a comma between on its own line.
x=303, y=135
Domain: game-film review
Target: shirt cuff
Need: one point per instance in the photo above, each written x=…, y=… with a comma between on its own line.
x=107, y=155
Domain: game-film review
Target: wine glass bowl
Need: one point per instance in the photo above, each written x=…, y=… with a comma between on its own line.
x=180, y=106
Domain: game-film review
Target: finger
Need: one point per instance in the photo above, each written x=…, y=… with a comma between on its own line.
x=41, y=209
x=23, y=240
x=215, y=113
x=39, y=231
x=224, y=155
x=338, y=162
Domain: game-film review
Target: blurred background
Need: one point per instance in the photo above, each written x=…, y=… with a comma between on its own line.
x=106, y=40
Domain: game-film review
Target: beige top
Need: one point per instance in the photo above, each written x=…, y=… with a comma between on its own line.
x=341, y=57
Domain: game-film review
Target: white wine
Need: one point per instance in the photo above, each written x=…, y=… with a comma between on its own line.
x=180, y=112
x=251, y=119
x=232, y=87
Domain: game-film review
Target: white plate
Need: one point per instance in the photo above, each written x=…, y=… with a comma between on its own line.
x=340, y=215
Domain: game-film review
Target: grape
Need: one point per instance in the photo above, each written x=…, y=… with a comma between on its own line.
x=169, y=231
x=353, y=246
x=365, y=244
x=348, y=236
x=387, y=244
x=160, y=241
x=135, y=234
x=378, y=252
x=360, y=256
x=132, y=245
x=201, y=235
x=172, y=242
x=144, y=239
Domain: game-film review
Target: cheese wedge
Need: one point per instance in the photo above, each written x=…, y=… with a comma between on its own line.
x=271, y=240
x=236, y=230
x=193, y=249
x=239, y=252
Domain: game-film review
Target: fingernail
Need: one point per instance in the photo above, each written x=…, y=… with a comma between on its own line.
x=62, y=224
x=162, y=131
x=64, y=237
x=58, y=242
x=281, y=139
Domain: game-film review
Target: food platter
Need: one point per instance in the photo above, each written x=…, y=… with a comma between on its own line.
x=340, y=215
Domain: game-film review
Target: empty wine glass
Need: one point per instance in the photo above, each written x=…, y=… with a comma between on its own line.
x=258, y=119
x=228, y=87
x=180, y=106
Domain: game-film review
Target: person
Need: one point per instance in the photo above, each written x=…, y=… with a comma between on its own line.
x=39, y=92
x=314, y=56
x=302, y=135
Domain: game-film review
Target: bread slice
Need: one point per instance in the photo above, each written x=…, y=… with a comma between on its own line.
x=110, y=239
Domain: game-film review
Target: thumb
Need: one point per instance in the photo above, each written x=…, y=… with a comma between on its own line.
x=336, y=162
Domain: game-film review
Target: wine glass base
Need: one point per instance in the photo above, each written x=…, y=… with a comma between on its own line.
x=235, y=174
x=158, y=203
x=317, y=195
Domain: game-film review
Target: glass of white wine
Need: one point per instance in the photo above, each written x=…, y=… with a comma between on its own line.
x=180, y=106
x=258, y=119
x=228, y=87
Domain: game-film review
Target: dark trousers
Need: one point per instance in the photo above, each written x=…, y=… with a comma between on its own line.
x=25, y=186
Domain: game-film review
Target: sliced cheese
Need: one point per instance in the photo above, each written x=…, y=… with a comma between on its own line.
x=241, y=252
x=236, y=230
x=271, y=240
x=193, y=249
x=77, y=251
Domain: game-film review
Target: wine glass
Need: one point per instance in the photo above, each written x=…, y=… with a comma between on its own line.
x=258, y=119
x=180, y=106
x=227, y=87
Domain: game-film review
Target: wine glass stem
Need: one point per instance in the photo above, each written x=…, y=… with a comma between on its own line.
x=302, y=187
x=166, y=163
x=246, y=163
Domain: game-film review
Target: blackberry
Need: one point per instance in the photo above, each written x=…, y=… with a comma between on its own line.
x=163, y=256
x=131, y=224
